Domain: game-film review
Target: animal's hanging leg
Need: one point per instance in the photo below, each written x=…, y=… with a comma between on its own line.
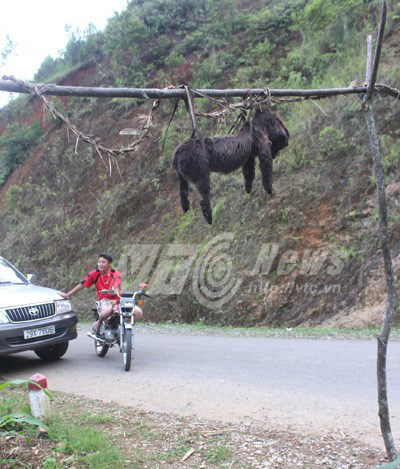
x=248, y=170
x=184, y=193
x=266, y=172
x=204, y=188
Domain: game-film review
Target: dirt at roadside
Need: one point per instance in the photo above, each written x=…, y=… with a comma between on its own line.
x=153, y=440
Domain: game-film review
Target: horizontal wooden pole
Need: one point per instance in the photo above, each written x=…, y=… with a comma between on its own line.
x=156, y=93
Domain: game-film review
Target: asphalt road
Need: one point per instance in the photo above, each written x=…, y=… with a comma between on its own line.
x=313, y=386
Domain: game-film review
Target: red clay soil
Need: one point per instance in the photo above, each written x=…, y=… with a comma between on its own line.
x=317, y=221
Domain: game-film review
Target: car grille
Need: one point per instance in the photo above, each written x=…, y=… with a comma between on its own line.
x=22, y=314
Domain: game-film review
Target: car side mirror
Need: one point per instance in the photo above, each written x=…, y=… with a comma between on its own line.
x=32, y=278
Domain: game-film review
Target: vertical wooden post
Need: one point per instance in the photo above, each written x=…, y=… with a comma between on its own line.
x=383, y=337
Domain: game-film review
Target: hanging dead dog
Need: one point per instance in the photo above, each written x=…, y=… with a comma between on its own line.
x=264, y=136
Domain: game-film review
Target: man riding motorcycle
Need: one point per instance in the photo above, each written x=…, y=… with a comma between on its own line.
x=104, y=278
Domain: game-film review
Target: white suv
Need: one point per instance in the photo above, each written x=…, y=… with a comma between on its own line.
x=32, y=317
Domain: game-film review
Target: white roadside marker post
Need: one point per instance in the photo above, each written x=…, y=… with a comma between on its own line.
x=39, y=401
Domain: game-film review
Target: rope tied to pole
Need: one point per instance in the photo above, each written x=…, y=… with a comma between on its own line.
x=39, y=91
x=190, y=106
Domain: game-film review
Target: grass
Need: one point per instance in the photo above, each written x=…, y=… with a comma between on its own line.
x=89, y=434
x=81, y=437
x=300, y=332
x=12, y=405
x=178, y=452
x=217, y=454
x=90, y=419
x=320, y=332
x=145, y=432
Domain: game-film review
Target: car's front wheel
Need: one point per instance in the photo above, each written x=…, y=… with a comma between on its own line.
x=53, y=352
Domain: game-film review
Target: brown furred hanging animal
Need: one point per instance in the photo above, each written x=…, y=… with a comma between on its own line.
x=264, y=136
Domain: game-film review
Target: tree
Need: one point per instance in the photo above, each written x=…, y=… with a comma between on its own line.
x=6, y=50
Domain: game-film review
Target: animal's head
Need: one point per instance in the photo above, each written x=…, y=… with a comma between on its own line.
x=273, y=125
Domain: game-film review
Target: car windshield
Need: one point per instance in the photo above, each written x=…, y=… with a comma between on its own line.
x=8, y=274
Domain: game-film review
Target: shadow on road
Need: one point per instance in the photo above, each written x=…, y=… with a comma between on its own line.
x=26, y=363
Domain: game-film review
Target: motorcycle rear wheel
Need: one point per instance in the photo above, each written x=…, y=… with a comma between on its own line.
x=100, y=347
x=127, y=349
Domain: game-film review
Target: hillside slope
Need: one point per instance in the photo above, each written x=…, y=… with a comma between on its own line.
x=310, y=255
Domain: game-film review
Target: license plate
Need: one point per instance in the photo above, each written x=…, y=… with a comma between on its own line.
x=41, y=331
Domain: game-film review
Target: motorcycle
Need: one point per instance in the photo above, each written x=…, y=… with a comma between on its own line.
x=118, y=328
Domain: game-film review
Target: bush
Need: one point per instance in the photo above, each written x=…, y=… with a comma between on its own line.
x=126, y=40
x=16, y=144
x=47, y=69
x=174, y=59
x=208, y=72
x=325, y=40
x=332, y=141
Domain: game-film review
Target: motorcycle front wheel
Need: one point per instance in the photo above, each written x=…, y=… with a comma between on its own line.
x=127, y=348
x=100, y=347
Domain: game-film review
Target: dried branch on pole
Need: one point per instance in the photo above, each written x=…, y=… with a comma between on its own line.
x=101, y=149
x=13, y=85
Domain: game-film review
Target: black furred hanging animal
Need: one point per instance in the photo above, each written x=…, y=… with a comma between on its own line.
x=264, y=136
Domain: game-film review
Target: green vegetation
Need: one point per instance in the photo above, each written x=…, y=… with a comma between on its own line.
x=6, y=50
x=226, y=39
x=324, y=180
x=291, y=43
x=320, y=332
x=16, y=144
x=332, y=142
x=83, y=47
x=89, y=446
x=14, y=413
x=217, y=454
x=95, y=435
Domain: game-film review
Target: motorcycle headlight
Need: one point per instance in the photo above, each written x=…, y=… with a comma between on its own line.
x=3, y=317
x=63, y=306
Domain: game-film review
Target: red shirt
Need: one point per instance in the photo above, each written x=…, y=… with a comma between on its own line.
x=109, y=281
